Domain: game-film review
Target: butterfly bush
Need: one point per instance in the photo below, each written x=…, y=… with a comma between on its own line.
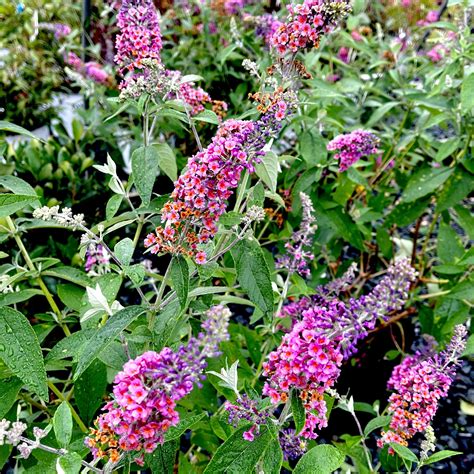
x=139, y=46
x=146, y=391
x=419, y=383
x=308, y=22
x=299, y=247
x=200, y=194
x=325, y=331
x=351, y=147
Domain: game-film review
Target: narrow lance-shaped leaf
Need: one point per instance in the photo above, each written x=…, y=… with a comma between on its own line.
x=253, y=274
x=21, y=352
x=180, y=278
x=105, y=336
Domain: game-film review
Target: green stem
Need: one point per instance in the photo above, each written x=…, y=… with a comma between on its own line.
x=159, y=296
x=40, y=281
x=241, y=192
x=74, y=413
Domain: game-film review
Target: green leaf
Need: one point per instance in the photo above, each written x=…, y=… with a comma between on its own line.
x=313, y=148
x=70, y=346
x=404, y=452
x=68, y=464
x=162, y=460
x=447, y=149
x=450, y=248
x=144, y=171
x=467, y=93
x=185, y=423
x=380, y=112
x=459, y=185
x=207, y=116
x=322, y=459
x=21, y=352
x=71, y=295
x=167, y=160
x=272, y=458
x=113, y=205
x=8, y=299
x=236, y=455
x=179, y=273
x=16, y=129
x=425, y=181
x=298, y=411
x=124, y=251
x=267, y=170
x=253, y=274
x=89, y=390
x=8, y=394
x=11, y=203
x=439, y=456
x=105, y=336
x=74, y=275
x=375, y=423
x=62, y=424
x=17, y=186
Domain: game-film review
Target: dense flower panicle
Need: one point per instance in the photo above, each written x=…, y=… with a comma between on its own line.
x=146, y=391
x=341, y=284
x=351, y=147
x=325, y=331
x=307, y=22
x=299, y=252
x=419, y=382
x=246, y=409
x=140, y=35
x=346, y=323
x=292, y=445
x=201, y=192
x=306, y=360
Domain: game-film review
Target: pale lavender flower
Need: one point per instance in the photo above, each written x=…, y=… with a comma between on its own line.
x=299, y=252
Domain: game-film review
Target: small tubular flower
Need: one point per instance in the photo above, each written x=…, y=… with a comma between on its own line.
x=308, y=22
x=146, y=391
x=419, y=382
x=325, y=331
x=200, y=194
x=353, y=146
x=299, y=247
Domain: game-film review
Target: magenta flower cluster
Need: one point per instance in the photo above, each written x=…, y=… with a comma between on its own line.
x=419, y=382
x=351, y=147
x=299, y=252
x=308, y=361
x=325, y=331
x=138, y=44
x=307, y=22
x=91, y=70
x=201, y=192
x=146, y=391
x=140, y=34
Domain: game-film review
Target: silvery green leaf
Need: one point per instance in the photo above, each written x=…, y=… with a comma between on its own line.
x=228, y=376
